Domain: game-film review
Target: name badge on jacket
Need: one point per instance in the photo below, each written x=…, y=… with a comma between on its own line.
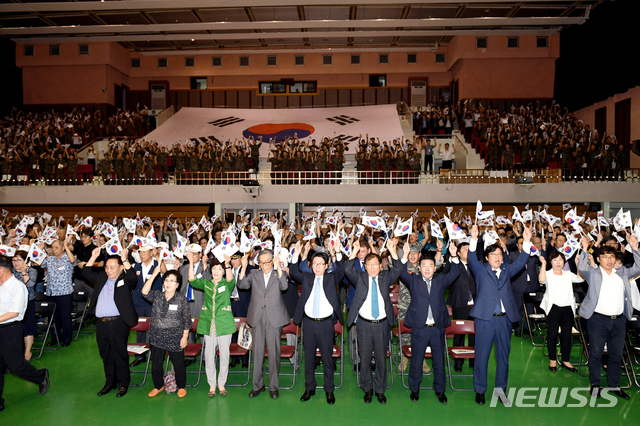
x=120, y=283
x=173, y=307
x=221, y=289
x=199, y=276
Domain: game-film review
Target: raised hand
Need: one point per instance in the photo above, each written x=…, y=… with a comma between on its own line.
x=526, y=234
x=474, y=232
x=453, y=250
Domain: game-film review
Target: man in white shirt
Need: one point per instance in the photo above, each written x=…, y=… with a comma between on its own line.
x=606, y=307
x=13, y=303
x=447, y=156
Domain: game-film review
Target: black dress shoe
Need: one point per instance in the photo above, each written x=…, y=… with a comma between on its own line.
x=255, y=393
x=442, y=398
x=122, y=391
x=44, y=386
x=307, y=395
x=518, y=333
x=53, y=343
x=595, y=391
x=381, y=398
x=274, y=394
x=368, y=396
x=554, y=368
x=1, y=407
x=245, y=364
x=138, y=361
x=189, y=361
x=234, y=362
x=457, y=368
x=480, y=398
x=620, y=393
x=65, y=344
x=569, y=369
x=105, y=390
x=415, y=396
x=330, y=398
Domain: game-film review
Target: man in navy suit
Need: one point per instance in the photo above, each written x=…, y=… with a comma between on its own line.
x=428, y=318
x=494, y=312
x=525, y=281
x=374, y=313
x=318, y=309
x=143, y=271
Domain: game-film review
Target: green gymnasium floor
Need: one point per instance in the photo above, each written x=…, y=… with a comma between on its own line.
x=76, y=376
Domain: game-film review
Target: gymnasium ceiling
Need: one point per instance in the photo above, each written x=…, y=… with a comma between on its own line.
x=149, y=26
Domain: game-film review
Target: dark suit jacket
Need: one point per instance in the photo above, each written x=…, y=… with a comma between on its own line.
x=121, y=293
x=421, y=298
x=490, y=290
x=330, y=281
x=461, y=287
x=361, y=279
x=519, y=282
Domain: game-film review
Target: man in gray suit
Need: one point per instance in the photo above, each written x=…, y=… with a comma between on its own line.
x=267, y=315
x=607, y=303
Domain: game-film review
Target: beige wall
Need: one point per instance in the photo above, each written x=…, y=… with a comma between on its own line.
x=588, y=114
x=493, y=73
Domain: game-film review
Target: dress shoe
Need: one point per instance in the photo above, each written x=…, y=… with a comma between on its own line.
x=480, y=398
x=1, y=407
x=518, y=333
x=105, y=390
x=307, y=395
x=620, y=393
x=255, y=393
x=155, y=392
x=138, y=361
x=245, y=364
x=415, y=396
x=595, y=391
x=569, y=369
x=274, y=394
x=122, y=391
x=182, y=393
x=368, y=397
x=65, y=344
x=381, y=398
x=223, y=391
x=457, y=368
x=44, y=386
x=189, y=361
x=554, y=368
x=331, y=399
x=53, y=343
x=234, y=362
x=442, y=398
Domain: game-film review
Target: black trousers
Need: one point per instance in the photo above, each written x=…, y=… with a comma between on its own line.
x=603, y=330
x=112, y=339
x=157, y=370
x=62, y=316
x=559, y=317
x=12, y=356
x=318, y=335
x=458, y=339
x=373, y=340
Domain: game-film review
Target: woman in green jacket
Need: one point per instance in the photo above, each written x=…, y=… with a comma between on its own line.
x=216, y=321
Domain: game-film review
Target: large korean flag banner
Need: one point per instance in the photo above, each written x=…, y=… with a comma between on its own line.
x=348, y=123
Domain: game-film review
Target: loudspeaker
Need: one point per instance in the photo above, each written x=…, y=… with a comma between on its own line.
x=594, y=207
x=212, y=210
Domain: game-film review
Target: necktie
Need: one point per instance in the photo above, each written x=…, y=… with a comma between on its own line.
x=316, y=299
x=234, y=293
x=429, y=314
x=374, y=299
x=498, y=309
x=190, y=289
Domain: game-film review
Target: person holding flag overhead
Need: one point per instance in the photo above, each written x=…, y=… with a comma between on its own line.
x=113, y=307
x=194, y=296
x=494, y=311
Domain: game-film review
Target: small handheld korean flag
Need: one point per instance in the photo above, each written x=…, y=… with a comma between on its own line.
x=404, y=228
x=516, y=215
x=245, y=243
x=449, y=210
x=36, y=254
x=46, y=217
x=346, y=249
x=362, y=212
x=87, y=221
x=71, y=231
x=113, y=247
x=5, y=213
x=601, y=220
x=566, y=206
x=568, y=250
x=181, y=245
x=360, y=230
x=374, y=222
x=211, y=244
x=436, y=231
x=227, y=246
x=534, y=251
x=193, y=229
x=310, y=234
x=7, y=251
x=455, y=233
x=379, y=212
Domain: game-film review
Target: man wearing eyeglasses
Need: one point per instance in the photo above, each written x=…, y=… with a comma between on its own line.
x=267, y=315
x=607, y=307
x=318, y=310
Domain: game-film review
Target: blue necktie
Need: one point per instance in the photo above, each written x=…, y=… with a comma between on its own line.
x=190, y=289
x=316, y=299
x=374, y=299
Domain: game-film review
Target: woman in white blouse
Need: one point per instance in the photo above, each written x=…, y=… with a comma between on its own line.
x=559, y=304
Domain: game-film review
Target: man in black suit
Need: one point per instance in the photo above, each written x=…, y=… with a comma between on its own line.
x=428, y=318
x=525, y=281
x=318, y=309
x=115, y=313
x=240, y=300
x=462, y=296
x=373, y=310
